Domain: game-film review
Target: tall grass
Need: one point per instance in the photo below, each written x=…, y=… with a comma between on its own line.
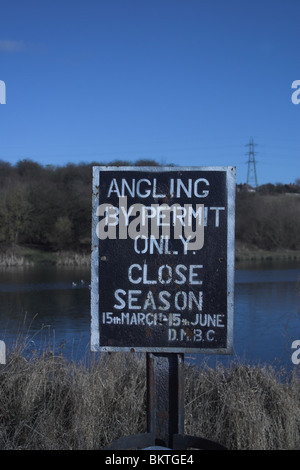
x=11, y=259
x=69, y=258
x=50, y=403
x=244, y=407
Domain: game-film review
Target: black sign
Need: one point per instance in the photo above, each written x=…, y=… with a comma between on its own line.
x=163, y=259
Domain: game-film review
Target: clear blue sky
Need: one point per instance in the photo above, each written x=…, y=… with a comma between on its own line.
x=186, y=82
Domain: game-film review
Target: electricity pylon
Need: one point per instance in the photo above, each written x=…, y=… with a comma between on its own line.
x=251, y=173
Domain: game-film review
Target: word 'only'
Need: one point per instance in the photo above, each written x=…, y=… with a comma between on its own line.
x=154, y=221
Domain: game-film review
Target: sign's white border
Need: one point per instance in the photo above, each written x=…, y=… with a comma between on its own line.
x=95, y=332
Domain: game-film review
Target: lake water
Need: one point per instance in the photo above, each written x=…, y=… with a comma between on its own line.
x=50, y=307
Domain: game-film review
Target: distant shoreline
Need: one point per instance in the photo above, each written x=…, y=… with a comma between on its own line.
x=264, y=255
x=24, y=256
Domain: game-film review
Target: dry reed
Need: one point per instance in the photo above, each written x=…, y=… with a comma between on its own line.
x=50, y=403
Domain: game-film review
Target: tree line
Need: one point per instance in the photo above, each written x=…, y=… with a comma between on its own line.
x=269, y=220
x=50, y=207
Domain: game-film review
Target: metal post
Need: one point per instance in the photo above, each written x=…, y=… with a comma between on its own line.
x=165, y=409
x=165, y=400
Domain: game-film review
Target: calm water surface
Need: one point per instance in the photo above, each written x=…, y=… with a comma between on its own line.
x=50, y=306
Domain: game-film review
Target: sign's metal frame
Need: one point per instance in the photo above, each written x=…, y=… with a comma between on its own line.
x=95, y=327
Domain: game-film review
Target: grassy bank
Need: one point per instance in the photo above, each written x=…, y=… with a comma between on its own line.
x=245, y=252
x=49, y=403
x=26, y=256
